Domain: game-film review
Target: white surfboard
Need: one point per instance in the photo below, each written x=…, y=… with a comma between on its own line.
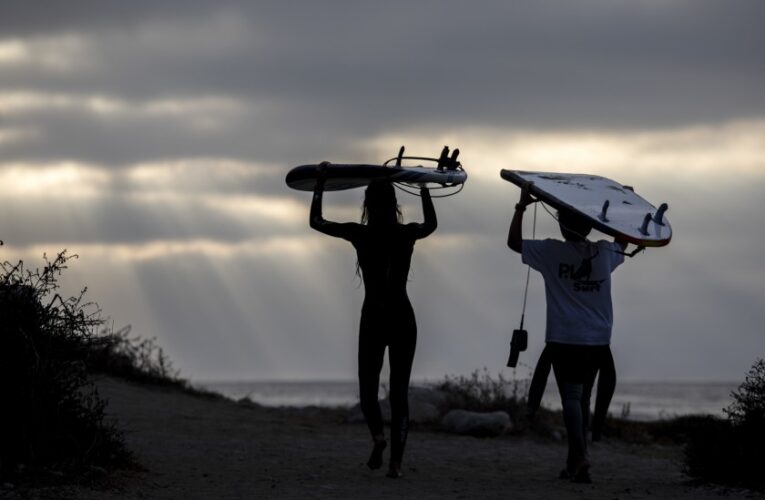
x=611, y=208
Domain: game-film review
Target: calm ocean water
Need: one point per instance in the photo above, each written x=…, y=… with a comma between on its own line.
x=635, y=400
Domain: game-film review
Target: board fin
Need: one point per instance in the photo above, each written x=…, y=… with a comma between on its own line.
x=453, y=160
x=443, y=160
x=644, y=228
x=659, y=217
x=602, y=215
x=400, y=155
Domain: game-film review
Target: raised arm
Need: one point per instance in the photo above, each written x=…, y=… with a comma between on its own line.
x=316, y=219
x=515, y=235
x=429, y=212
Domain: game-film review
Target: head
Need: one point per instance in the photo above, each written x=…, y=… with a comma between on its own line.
x=573, y=227
x=380, y=205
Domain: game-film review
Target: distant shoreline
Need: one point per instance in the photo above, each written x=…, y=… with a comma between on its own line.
x=633, y=400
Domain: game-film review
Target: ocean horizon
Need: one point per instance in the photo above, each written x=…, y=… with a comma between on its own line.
x=633, y=400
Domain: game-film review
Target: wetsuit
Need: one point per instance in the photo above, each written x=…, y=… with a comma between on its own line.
x=387, y=319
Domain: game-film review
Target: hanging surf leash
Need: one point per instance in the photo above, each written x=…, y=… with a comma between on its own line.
x=632, y=253
x=520, y=340
x=400, y=185
x=444, y=163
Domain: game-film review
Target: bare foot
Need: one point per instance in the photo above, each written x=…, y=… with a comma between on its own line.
x=394, y=470
x=582, y=473
x=375, y=459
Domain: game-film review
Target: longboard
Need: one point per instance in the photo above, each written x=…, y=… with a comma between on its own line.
x=348, y=176
x=610, y=207
x=448, y=172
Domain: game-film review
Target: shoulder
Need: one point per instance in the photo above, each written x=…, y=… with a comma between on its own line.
x=540, y=250
x=546, y=244
x=415, y=230
x=609, y=245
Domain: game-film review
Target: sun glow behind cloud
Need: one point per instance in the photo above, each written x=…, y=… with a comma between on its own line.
x=66, y=179
x=227, y=186
x=693, y=153
x=201, y=112
x=275, y=247
x=59, y=54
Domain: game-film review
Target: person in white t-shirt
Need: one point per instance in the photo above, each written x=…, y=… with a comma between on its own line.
x=577, y=275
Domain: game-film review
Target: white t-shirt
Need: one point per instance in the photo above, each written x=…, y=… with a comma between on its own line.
x=577, y=286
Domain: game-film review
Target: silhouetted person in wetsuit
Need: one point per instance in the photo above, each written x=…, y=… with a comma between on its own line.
x=384, y=248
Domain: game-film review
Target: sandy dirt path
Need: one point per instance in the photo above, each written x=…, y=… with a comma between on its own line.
x=200, y=448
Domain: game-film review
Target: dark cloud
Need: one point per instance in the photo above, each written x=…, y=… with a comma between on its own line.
x=41, y=18
x=316, y=77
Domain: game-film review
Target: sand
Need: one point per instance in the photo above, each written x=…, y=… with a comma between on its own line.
x=194, y=447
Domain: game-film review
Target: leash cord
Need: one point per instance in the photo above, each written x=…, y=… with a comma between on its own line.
x=528, y=269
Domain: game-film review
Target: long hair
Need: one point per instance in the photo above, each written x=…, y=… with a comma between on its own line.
x=380, y=203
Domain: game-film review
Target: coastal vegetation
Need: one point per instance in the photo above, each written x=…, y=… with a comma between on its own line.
x=53, y=423
x=732, y=450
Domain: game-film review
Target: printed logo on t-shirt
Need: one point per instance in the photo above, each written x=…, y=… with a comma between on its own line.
x=581, y=275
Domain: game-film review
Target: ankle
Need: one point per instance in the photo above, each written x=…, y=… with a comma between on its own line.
x=394, y=469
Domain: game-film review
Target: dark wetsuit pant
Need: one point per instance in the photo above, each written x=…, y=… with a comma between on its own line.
x=575, y=367
x=606, y=388
x=393, y=326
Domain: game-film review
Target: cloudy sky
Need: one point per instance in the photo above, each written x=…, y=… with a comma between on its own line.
x=152, y=139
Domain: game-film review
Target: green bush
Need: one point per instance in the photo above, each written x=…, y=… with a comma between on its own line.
x=482, y=392
x=732, y=451
x=118, y=354
x=748, y=407
x=52, y=416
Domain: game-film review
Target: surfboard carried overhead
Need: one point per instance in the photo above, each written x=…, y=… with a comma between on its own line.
x=447, y=172
x=611, y=208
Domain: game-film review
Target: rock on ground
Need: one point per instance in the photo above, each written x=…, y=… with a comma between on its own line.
x=474, y=423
